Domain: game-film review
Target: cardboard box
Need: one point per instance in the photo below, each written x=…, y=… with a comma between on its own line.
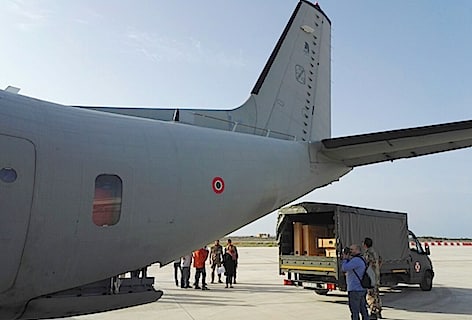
x=309, y=240
x=297, y=238
x=330, y=253
x=327, y=243
x=320, y=231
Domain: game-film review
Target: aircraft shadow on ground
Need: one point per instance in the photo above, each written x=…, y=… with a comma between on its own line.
x=223, y=297
x=195, y=299
x=441, y=300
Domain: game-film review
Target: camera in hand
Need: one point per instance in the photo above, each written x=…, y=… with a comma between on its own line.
x=347, y=251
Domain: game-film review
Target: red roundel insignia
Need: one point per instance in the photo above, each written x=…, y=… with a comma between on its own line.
x=218, y=185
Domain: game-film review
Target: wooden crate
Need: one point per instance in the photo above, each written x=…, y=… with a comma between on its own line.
x=310, y=247
x=327, y=243
x=298, y=238
x=330, y=253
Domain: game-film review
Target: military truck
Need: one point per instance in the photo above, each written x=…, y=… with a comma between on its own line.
x=311, y=237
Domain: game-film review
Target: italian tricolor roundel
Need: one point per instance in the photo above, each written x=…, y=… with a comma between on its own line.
x=218, y=185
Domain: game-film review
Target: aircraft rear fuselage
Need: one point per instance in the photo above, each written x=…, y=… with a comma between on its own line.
x=181, y=184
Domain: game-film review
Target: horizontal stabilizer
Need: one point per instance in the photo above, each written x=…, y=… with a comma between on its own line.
x=376, y=147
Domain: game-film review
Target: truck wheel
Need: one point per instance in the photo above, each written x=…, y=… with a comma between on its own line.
x=427, y=282
x=322, y=292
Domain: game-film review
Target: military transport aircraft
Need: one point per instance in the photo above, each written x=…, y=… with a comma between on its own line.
x=88, y=194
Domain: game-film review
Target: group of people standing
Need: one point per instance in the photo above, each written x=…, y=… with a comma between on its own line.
x=222, y=261
x=354, y=264
x=225, y=263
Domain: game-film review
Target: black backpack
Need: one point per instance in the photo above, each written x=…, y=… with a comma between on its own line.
x=366, y=281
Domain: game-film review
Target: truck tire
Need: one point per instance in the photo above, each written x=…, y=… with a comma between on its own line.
x=427, y=282
x=322, y=292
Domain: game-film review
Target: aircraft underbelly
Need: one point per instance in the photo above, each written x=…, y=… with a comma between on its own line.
x=17, y=168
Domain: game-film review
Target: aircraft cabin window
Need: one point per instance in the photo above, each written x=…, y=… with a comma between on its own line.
x=107, y=200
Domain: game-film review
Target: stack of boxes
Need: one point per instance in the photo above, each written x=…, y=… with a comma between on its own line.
x=311, y=240
x=329, y=246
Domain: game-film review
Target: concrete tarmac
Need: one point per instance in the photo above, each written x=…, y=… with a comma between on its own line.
x=260, y=294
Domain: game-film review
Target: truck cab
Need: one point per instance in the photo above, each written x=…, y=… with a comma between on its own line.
x=421, y=267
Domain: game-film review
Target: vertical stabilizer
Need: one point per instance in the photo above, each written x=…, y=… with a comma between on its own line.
x=291, y=100
x=293, y=94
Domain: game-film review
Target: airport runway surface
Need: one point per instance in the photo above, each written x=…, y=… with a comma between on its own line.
x=260, y=294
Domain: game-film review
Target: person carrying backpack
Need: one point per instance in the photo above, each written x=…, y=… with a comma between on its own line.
x=373, y=294
x=354, y=266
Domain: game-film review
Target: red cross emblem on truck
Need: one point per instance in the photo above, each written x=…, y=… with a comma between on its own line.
x=417, y=266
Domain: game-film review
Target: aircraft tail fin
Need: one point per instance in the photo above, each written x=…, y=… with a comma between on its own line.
x=293, y=94
x=291, y=100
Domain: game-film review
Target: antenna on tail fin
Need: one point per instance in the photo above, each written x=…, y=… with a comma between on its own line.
x=12, y=89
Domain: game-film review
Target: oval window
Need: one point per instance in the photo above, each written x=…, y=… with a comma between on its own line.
x=8, y=175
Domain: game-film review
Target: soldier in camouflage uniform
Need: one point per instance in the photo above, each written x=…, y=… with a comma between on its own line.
x=373, y=295
x=216, y=259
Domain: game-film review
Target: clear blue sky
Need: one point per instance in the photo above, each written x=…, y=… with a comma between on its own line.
x=395, y=64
